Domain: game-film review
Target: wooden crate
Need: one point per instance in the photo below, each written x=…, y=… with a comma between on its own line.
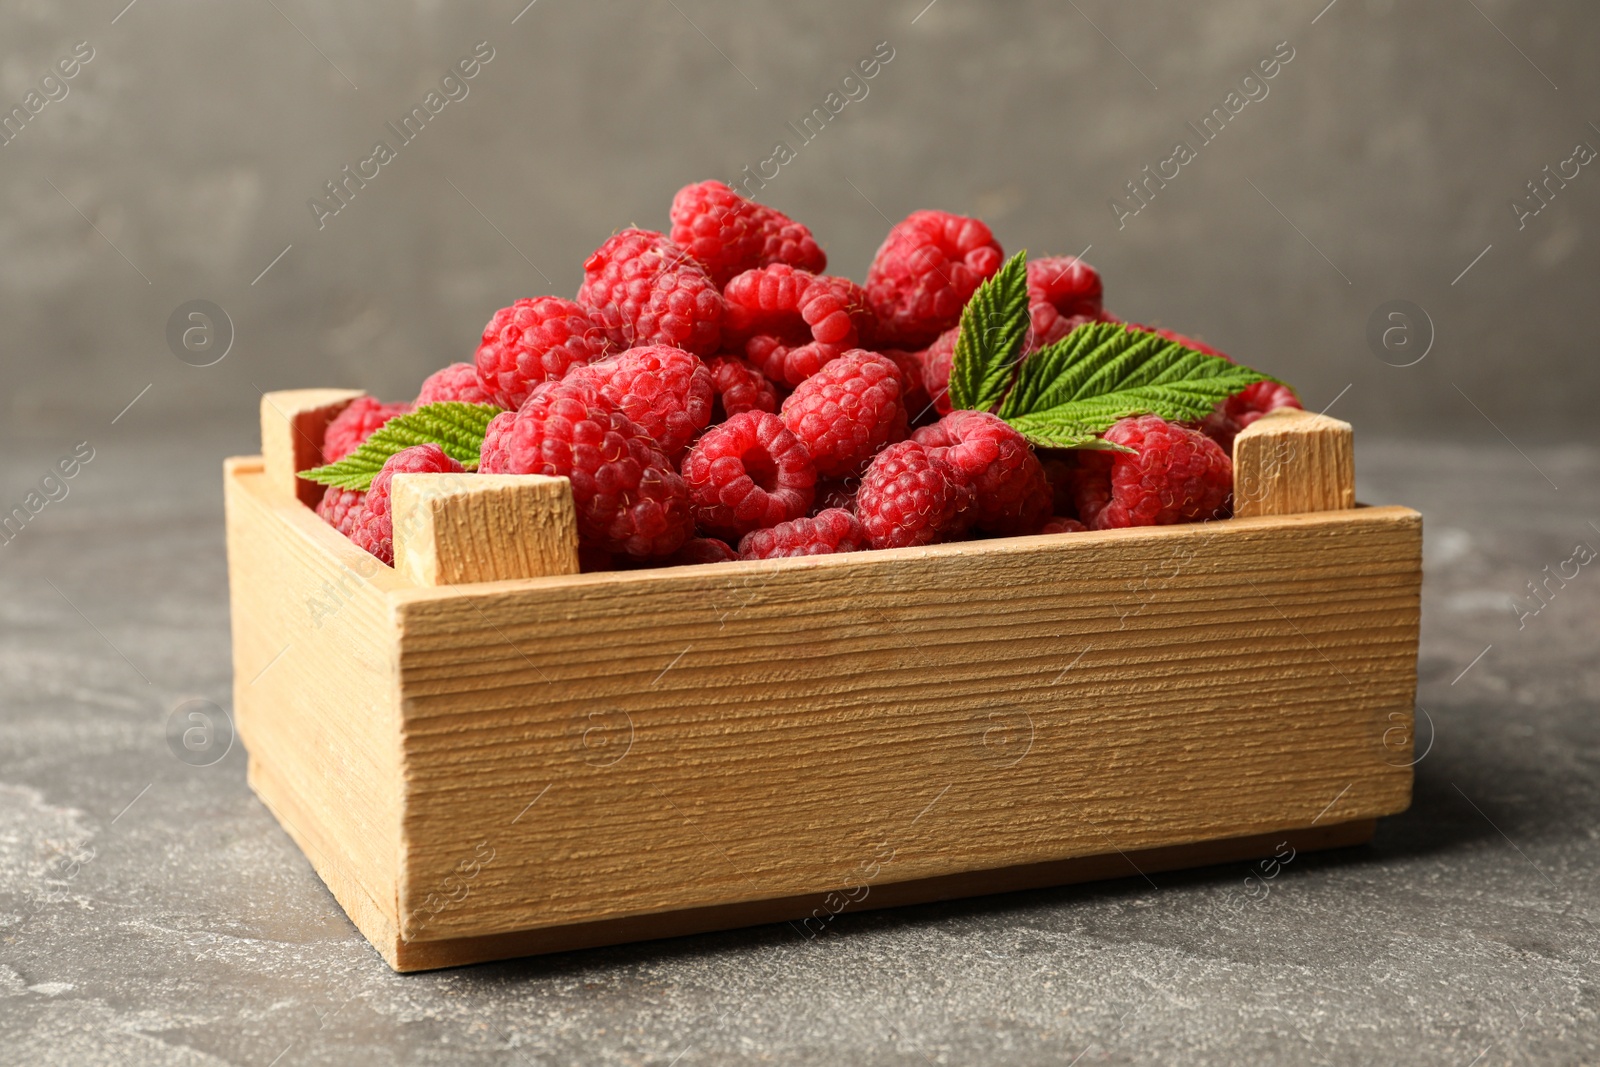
x=486, y=755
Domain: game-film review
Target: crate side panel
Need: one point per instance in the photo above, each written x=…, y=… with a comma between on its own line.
x=583, y=750
x=315, y=696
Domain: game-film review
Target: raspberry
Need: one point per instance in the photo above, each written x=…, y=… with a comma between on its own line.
x=341, y=508
x=790, y=323
x=730, y=234
x=1174, y=475
x=628, y=497
x=739, y=387
x=1011, y=494
x=1062, y=524
x=748, y=473
x=847, y=411
x=374, y=530
x=645, y=290
x=702, y=550
x=937, y=360
x=925, y=271
x=834, y=530
x=918, y=405
x=1061, y=471
x=909, y=496
x=1254, y=401
x=1062, y=292
x=457, y=382
x=535, y=341
x=665, y=390
x=357, y=422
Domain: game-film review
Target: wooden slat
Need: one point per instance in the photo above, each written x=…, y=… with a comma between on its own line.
x=1291, y=461
x=292, y=424
x=632, y=743
x=451, y=529
x=315, y=692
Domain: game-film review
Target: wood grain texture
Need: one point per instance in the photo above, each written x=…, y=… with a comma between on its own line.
x=292, y=424
x=623, y=744
x=1291, y=461
x=808, y=914
x=315, y=692
x=451, y=529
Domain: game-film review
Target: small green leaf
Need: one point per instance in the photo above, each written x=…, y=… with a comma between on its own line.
x=455, y=427
x=994, y=326
x=1071, y=391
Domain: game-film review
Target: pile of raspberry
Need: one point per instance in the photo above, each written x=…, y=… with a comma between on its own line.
x=713, y=394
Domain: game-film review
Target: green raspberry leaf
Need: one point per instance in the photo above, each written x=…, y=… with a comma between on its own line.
x=1069, y=392
x=455, y=427
x=994, y=326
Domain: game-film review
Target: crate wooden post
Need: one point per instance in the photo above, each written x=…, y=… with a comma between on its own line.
x=1291, y=461
x=292, y=424
x=451, y=529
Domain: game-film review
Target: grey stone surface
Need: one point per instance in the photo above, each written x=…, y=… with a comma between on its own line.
x=1384, y=160
x=153, y=912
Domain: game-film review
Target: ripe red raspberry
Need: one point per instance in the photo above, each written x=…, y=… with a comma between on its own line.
x=1062, y=524
x=739, y=387
x=790, y=323
x=341, y=508
x=458, y=382
x=702, y=550
x=937, y=359
x=834, y=530
x=730, y=234
x=1174, y=475
x=748, y=473
x=360, y=420
x=925, y=271
x=665, y=390
x=628, y=497
x=1011, y=493
x=1062, y=292
x=909, y=496
x=1256, y=400
x=645, y=290
x=374, y=530
x=918, y=404
x=1061, y=471
x=847, y=411
x=535, y=341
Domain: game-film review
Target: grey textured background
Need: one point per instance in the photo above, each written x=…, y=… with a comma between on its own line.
x=1394, y=141
x=153, y=912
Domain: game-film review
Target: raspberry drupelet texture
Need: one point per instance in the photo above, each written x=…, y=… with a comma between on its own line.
x=458, y=382
x=918, y=404
x=702, y=550
x=730, y=234
x=667, y=391
x=645, y=290
x=909, y=496
x=374, y=530
x=790, y=323
x=360, y=420
x=341, y=508
x=748, y=473
x=1011, y=494
x=535, y=341
x=739, y=387
x=925, y=271
x=847, y=411
x=1174, y=475
x=827, y=532
x=835, y=493
x=1062, y=524
x=937, y=359
x=629, y=498
x=1063, y=291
